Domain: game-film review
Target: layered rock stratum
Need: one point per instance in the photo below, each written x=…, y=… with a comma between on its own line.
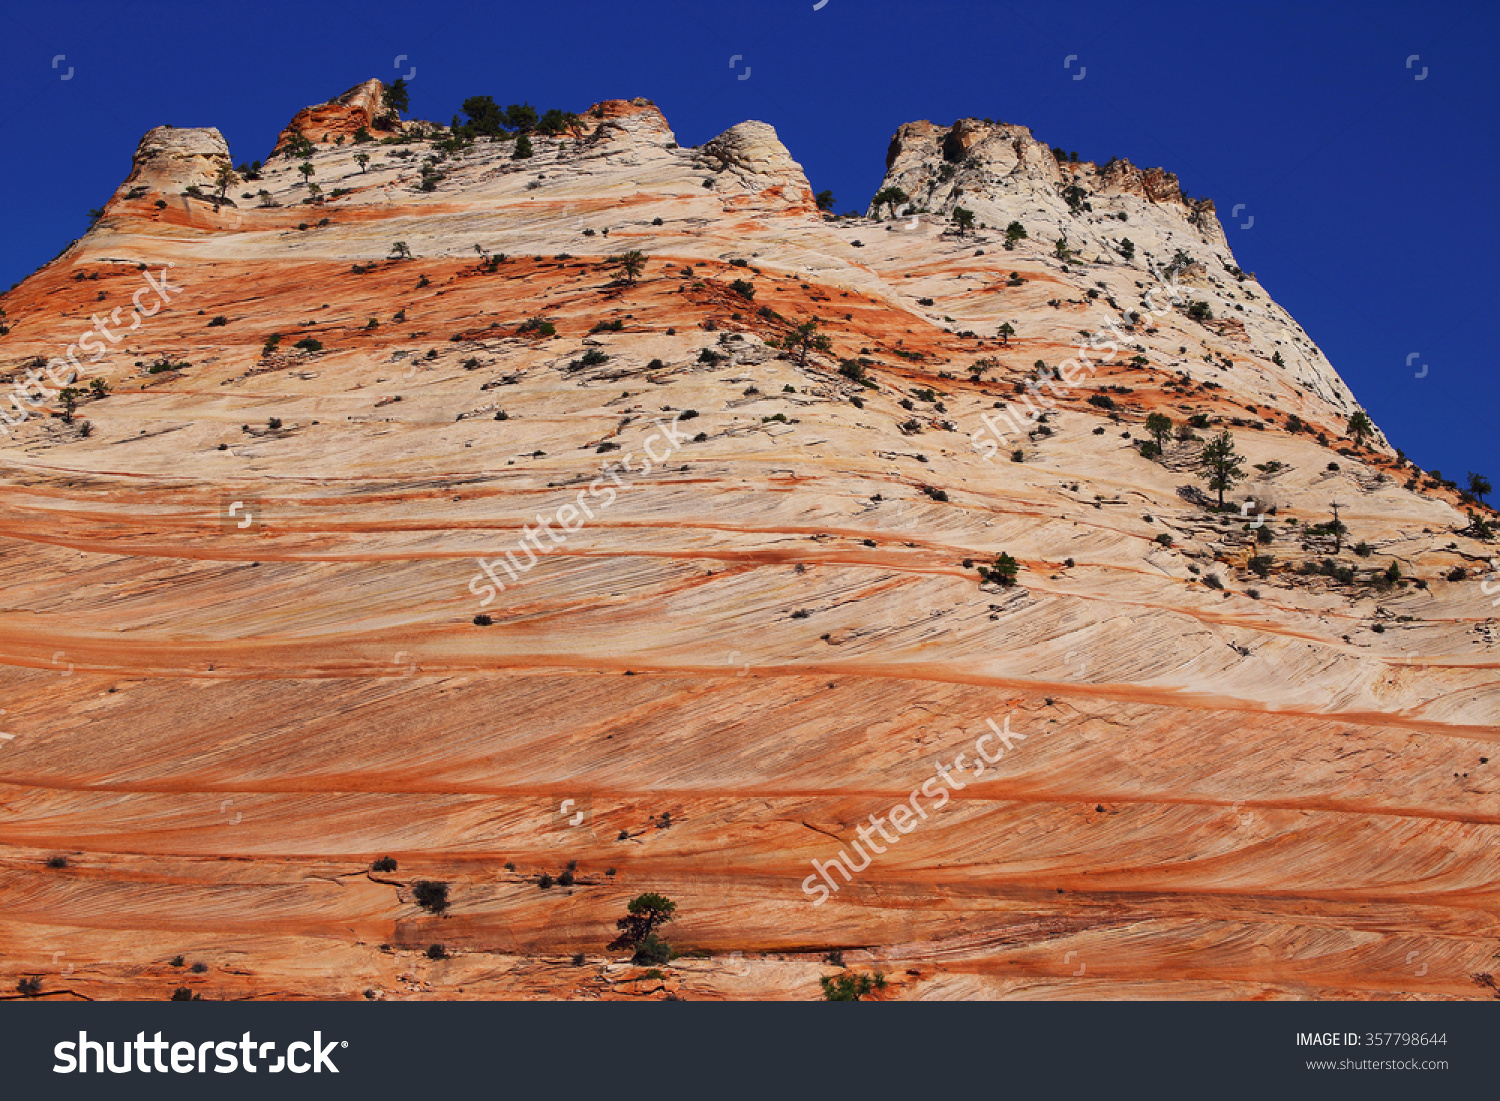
x=253, y=635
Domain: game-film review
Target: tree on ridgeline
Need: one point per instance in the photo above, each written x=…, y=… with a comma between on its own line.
x=1360, y=426
x=891, y=198
x=1479, y=486
x=397, y=95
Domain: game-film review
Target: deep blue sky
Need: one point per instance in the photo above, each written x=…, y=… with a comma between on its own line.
x=1372, y=192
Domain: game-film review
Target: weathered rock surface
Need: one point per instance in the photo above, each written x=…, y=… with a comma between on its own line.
x=361, y=107
x=240, y=660
x=1002, y=174
x=171, y=160
x=753, y=154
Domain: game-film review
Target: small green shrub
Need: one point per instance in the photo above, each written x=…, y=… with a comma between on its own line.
x=1003, y=572
x=430, y=895
x=591, y=358
x=651, y=949
x=850, y=987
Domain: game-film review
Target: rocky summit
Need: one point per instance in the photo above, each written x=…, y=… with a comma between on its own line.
x=429, y=538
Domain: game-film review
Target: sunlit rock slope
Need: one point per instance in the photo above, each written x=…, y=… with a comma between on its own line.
x=487, y=554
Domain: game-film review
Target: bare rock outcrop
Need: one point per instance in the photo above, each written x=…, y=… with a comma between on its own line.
x=631, y=121
x=170, y=160
x=754, y=157
x=998, y=169
x=362, y=106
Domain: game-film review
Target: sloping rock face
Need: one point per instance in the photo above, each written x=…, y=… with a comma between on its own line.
x=618, y=129
x=482, y=555
x=1105, y=215
x=170, y=160
x=755, y=157
x=362, y=106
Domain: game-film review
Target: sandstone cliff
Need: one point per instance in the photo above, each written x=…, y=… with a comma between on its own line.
x=1003, y=174
x=251, y=639
x=362, y=107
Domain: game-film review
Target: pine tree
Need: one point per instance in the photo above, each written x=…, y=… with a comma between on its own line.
x=632, y=263
x=1360, y=426
x=890, y=197
x=1479, y=486
x=1221, y=463
x=397, y=95
x=225, y=179
x=807, y=338
x=644, y=914
x=1159, y=425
